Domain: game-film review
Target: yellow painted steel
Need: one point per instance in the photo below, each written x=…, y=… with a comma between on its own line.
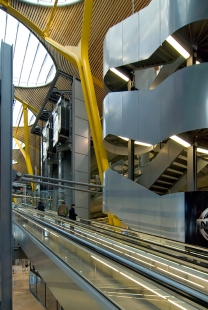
x=98, y=141
x=20, y=147
x=47, y=29
x=35, y=111
x=27, y=154
x=15, y=199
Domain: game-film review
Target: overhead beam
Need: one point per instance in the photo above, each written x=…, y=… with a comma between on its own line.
x=32, y=109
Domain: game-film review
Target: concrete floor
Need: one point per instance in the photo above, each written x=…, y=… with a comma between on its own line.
x=22, y=298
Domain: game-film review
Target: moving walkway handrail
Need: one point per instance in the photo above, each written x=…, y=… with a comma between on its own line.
x=158, y=278
x=128, y=240
x=114, y=228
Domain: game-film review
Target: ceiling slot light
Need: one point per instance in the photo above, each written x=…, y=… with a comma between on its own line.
x=202, y=150
x=136, y=142
x=178, y=47
x=180, y=141
x=121, y=75
x=142, y=143
x=123, y=138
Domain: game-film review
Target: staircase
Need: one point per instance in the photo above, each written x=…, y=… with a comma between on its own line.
x=171, y=175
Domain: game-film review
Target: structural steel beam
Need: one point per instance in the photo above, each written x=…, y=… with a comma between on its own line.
x=27, y=152
x=20, y=147
x=35, y=111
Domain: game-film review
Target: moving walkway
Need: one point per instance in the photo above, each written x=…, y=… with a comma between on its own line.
x=121, y=269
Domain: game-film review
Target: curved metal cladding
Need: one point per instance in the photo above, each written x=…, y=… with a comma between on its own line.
x=178, y=104
x=142, y=209
x=137, y=37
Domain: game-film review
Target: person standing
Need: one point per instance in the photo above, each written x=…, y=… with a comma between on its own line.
x=41, y=205
x=72, y=214
x=63, y=210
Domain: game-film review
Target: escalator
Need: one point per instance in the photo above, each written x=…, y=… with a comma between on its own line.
x=106, y=266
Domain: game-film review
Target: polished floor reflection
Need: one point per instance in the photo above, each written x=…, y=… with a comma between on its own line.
x=22, y=298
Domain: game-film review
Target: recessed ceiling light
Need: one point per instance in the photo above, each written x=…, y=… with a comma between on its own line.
x=121, y=75
x=178, y=47
x=202, y=150
x=180, y=141
x=136, y=142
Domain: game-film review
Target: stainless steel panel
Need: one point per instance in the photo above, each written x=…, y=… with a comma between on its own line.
x=106, y=55
x=157, y=21
x=142, y=209
x=80, y=110
x=173, y=216
x=81, y=127
x=81, y=145
x=81, y=163
x=149, y=212
x=77, y=90
x=107, y=112
x=149, y=30
x=148, y=117
x=129, y=114
x=115, y=46
x=176, y=98
x=115, y=112
x=81, y=177
x=82, y=209
x=130, y=45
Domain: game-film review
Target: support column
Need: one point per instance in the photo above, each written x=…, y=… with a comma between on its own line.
x=131, y=160
x=6, y=99
x=27, y=151
x=192, y=168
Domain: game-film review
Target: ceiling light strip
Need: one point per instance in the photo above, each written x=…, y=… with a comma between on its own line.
x=121, y=75
x=178, y=47
x=180, y=141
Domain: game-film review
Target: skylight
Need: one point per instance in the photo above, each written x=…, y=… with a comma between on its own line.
x=32, y=65
x=18, y=117
x=51, y=2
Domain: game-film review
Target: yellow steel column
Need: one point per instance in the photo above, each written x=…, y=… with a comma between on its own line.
x=34, y=110
x=98, y=142
x=27, y=154
x=47, y=29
